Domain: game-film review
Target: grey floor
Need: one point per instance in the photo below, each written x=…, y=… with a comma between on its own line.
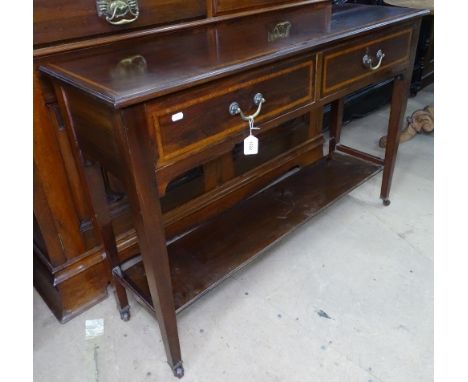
x=347, y=297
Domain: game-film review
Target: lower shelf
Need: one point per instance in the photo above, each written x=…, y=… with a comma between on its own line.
x=207, y=255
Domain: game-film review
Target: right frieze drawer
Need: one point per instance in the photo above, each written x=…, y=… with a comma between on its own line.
x=366, y=58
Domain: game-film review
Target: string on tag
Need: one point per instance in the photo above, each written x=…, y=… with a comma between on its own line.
x=251, y=125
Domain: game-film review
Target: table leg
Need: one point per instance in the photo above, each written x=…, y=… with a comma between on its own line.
x=336, y=123
x=138, y=154
x=397, y=112
x=103, y=224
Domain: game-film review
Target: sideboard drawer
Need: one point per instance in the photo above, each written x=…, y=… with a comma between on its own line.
x=192, y=120
x=230, y=6
x=369, y=56
x=66, y=19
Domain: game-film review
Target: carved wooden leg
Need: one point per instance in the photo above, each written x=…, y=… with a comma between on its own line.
x=137, y=153
x=103, y=224
x=397, y=112
x=336, y=123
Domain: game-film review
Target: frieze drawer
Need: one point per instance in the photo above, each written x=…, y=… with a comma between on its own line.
x=192, y=120
x=367, y=58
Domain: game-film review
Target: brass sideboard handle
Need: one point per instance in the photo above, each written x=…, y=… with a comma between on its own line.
x=235, y=109
x=367, y=60
x=118, y=12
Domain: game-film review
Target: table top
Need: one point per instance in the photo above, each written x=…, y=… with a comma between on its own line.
x=129, y=72
x=417, y=4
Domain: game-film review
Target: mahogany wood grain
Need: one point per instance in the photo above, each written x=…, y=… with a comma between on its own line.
x=282, y=148
x=103, y=223
x=343, y=65
x=137, y=152
x=229, y=6
x=166, y=172
x=218, y=171
x=71, y=167
x=118, y=100
x=206, y=119
x=397, y=112
x=51, y=177
x=64, y=19
x=198, y=264
x=68, y=46
x=336, y=123
x=231, y=192
x=400, y=93
x=48, y=236
x=66, y=247
x=360, y=154
x=92, y=127
x=169, y=69
x=68, y=296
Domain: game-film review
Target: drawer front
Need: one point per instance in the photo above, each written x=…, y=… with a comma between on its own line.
x=65, y=19
x=344, y=66
x=229, y=6
x=193, y=120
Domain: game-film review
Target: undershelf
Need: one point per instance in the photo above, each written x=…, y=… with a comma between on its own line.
x=207, y=255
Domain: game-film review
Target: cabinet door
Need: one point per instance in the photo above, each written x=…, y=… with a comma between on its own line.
x=56, y=20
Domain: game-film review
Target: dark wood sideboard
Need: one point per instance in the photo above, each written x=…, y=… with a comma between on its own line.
x=69, y=262
x=143, y=131
x=375, y=96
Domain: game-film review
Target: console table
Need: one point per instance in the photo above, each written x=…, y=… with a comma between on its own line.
x=167, y=115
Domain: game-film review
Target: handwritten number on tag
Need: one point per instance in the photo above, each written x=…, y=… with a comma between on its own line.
x=251, y=145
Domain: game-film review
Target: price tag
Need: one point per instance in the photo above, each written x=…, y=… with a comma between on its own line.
x=251, y=142
x=251, y=145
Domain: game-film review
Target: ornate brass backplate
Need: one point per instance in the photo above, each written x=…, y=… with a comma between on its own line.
x=280, y=30
x=118, y=12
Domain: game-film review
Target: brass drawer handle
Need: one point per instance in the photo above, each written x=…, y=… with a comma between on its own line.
x=235, y=109
x=118, y=12
x=367, y=60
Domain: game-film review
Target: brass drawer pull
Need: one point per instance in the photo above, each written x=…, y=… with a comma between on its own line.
x=116, y=11
x=235, y=109
x=367, y=60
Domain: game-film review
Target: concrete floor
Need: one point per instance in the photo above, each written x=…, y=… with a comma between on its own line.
x=347, y=297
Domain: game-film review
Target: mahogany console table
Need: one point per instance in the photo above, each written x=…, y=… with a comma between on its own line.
x=160, y=108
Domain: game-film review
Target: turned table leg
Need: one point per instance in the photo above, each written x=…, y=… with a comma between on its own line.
x=139, y=158
x=397, y=112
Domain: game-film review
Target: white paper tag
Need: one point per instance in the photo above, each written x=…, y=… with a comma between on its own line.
x=177, y=117
x=251, y=145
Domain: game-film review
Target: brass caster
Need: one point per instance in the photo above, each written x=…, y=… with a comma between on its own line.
x=178, y=371
x=386, y=202
x=125, y=313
